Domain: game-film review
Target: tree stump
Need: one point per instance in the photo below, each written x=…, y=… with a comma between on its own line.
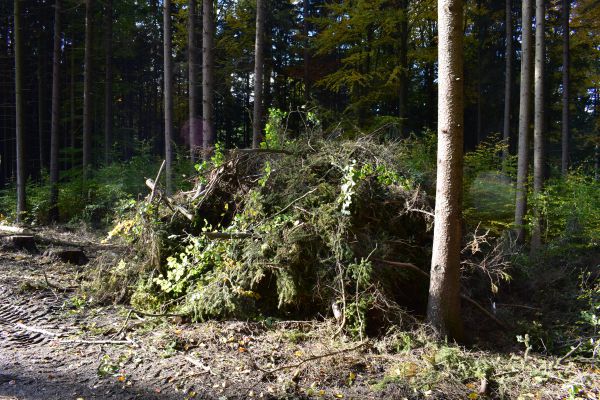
x=20, y=242
x=71, y=255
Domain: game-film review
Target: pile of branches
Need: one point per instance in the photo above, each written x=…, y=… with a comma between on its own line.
x=321, y=227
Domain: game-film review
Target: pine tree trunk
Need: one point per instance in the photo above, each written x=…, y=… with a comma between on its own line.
x=192, y=75
x=208, y=77
x=305, y=28
x=20, y=134
x=507, y=81
x=108, y=88
x=259, y=61
x=168, y=93
x=403, y=99
x=41, y=107
x=87, y=90
x=524, y=120
x=565, y=83
x=443, y=309
x=55, y=124
x=73, y=125
x=538, y=129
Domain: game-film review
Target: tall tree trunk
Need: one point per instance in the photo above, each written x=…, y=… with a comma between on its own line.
x=20, y=134
x=480, y=40
x=192, y=75
x=443, y=309
x=403, y=95
x=507, y=81
x=87, y=89
x=41, y=105
x=108, y=85
x=55, y=124
x=538, y=128
x=524, y=120
x=305, y=28
x=73, y=125
x=168, y=93
x=566, y=5
x=208, y=76
x=259, y=61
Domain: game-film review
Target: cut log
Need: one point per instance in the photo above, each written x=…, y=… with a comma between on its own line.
x=69, y=255
x=21, y=242
x=13, y=229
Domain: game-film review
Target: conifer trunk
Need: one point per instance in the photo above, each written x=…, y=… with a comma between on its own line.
x=208, y=73
x=168, y=93
x=443, y=309
x=20, y=134
x=524, y=120
x=55, y=124
x=192, y=80
x=507, y=81
x=259, y=61
x=565, y=84
x=108, y=88
x=87, y=90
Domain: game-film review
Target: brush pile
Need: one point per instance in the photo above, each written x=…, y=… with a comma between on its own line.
x=285, y=233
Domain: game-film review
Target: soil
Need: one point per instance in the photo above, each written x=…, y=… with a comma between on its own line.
x=55, y=343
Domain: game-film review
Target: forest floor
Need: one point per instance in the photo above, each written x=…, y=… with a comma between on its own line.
x=57, y=344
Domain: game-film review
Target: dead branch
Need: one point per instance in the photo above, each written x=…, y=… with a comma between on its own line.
x=228, y=235
x=156, y=180
x=168, y=201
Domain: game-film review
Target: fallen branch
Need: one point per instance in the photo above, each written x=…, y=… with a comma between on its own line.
x=156, y=181
x=36, y=330
x=197, y=363
x=573, y=350
x=262, y=151
x=413, y=267
x=14, y=229
x=320, y=356
x=284, y=209
x=117, y=342
x=144, y=314
x=228, y=235
x=174, y=207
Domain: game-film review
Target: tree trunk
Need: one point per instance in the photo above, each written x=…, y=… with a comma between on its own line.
x=73, y=126
x=305, y=27
x=403, y=93
x=87, y=90
x=55, y=125
x=208, y=73
x=108, y=92
x=41, y=106
x=192, y=75
x=566, y=4
x=538, y=128
x=443, y=309
x=168, y=93
x=259, y=61
x=507, y=81
x=20, y=135
x=524, y=120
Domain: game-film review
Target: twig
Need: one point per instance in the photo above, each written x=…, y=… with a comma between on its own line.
x=119, y=342
x=36, y=330
x=284, y=209
x=228, y=235
x=410, y=266
x=160, y=170
x=266, y=151
x=124, y=325
x=299, y=364
x=197, y=363
x=156, y=315
x=573, y=350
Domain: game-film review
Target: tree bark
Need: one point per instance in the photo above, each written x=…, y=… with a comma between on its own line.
x=192, y=81
x=443, y=309
x=55, y=124
x=87, y=89
x=305, y=28
x=41, y=106
x=208, y=76
x=72, y=124
x=524, y=120
x=566, y=4
x=507, y=81
x=108, y=88
x=403, y=93
x=538, y=128
x=20, y=134
x=259, y=61
x=168, y=93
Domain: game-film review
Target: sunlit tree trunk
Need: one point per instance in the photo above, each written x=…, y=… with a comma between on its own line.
x=192, y=79
x=565, y=84
x=20, y=134
x=208, y=76
x=507, y=80
x=443, y=309
x=259, y=61
x=55, y=124
x=538, y=128
x=168, y=93
x=87, y=89
x=524, y=120
x=108, y=92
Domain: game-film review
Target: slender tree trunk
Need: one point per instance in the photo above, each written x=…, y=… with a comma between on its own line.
x=259, y=61
x=566, y=5
x=443, y=309
x=507, y=81
x=305, y=28
x=208, y=76
x=168, y=93
x=55, y=125
x=73, y=125
x=192, y=75
x=538, y=129
x=20, y=134
x=480, y=39
x=524, y=120
x=108, y=88
x=41, y=106
x=403, y=99
x=87, y=90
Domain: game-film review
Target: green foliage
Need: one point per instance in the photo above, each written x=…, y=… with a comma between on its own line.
x=275, y=129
